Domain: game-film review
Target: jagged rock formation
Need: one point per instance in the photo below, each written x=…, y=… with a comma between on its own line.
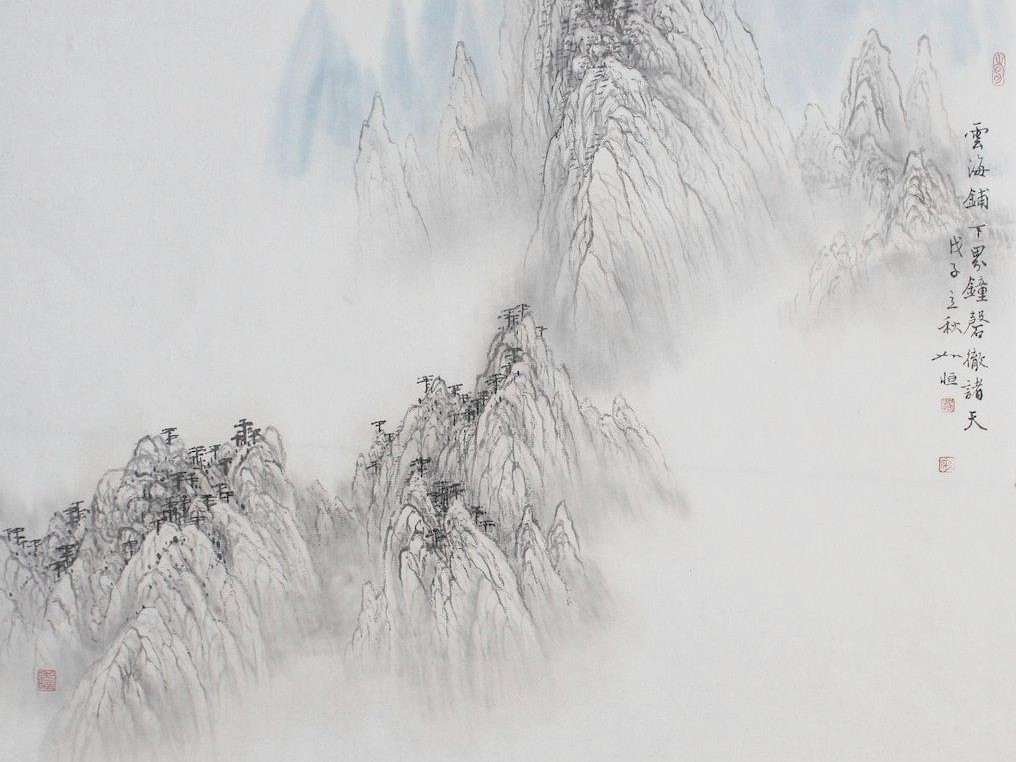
x=323, y=521
x=872, y=102
x=697, y=58
x=390, y=224
x=420, y=183
x=475, y=168
x=24, y=586
x=640, y=140
x=472, y=184
x=475, y=555
x=660, y=159
x=886, y=175
x=918, y=212
x=186, y=578
x=876, y=132
x=336, y=544
x=920, y=205
x=183, y=634
x=873, y=173
x=825, y=162
x=926, y=113
x=193, y=572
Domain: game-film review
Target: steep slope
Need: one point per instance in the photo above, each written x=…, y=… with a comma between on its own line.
x=919, y=211
x=183, y=636
x=825, y=162
x=922, y=204
x=662, y=164
x=872, y=102
x=898, y=200
x=475, y=559
x=926, y=114
x=23, y=590
x=184, y=581
x=194, y=572
x=420, y=183
x=390, y=224
x=875, y=132
x=471, y=164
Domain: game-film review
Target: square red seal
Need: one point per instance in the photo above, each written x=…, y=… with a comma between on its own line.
x=45, y=680
x=948, y=404
x=945, y=464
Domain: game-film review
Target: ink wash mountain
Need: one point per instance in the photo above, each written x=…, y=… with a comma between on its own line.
x=391, y=227
x=824, y=158
x=194, y=573
x=473, y=507
x=455, y=189
x=872, y=102
x=886, y=173
x=187, y=579
x=476, y=172
x=638, y=144
x=660, y=162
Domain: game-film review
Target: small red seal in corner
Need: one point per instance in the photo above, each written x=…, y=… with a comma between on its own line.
x=946, y=464
x=948, y=404
x=45, y=680
x=998, y=69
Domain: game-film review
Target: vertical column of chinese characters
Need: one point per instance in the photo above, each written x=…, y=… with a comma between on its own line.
x=975, y=285
x=966, y=316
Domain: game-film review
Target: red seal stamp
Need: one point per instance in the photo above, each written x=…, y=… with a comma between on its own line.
x=946, y=464
x=948, y=404
x=45, y=680
x=998, y=69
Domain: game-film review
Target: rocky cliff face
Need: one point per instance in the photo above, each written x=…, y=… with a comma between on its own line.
x=663, y=163
x=391, y=227
x=180, y=584
x=926, y=113
x=193, y=573
x=636, y=139
x=476, y=172
x=885, y=172
x=872, y=101
x=24, y=586
x=468, y=511
x=825, y=160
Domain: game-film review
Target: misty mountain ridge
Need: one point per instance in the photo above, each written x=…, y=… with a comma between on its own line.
x=194, y=573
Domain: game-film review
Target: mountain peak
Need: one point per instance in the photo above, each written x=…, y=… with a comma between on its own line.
x=610, y=101
x=927, y=118
x=462, y=60
x=390, y=224
x=466, y=100
x=376, y=119
x=872, y=102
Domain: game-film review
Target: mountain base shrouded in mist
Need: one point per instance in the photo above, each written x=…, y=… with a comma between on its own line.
x=505, y=568
x=889, y=177
x=636, y=145
x=196, y=573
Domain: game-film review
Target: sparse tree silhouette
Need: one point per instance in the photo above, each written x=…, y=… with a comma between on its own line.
x=244, y=430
